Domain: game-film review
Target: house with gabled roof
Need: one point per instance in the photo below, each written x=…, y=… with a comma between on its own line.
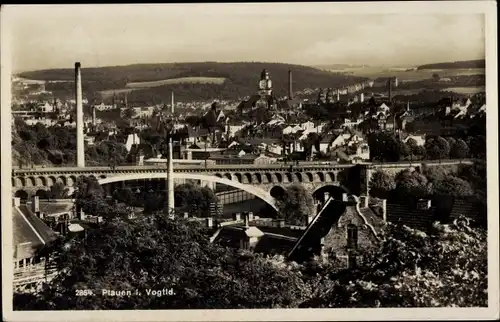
x=342, y=229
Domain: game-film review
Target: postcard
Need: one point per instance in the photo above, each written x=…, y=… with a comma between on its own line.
x=244, y=161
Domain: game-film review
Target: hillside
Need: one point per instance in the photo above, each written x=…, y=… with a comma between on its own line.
x=480, y=63
x=240, y=80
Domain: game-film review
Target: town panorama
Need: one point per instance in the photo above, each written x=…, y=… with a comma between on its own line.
x=233, y=185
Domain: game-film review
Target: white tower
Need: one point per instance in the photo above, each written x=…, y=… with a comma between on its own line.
x=80, y=151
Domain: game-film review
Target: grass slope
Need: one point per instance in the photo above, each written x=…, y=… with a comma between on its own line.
x=179, y=80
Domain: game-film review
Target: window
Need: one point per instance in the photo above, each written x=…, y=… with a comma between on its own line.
x=352, y=237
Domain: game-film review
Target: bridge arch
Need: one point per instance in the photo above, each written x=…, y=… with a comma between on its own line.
x=21, y=194
x=258, y=192
x=72, y=181
x=228, y=176
x=62, y=179
x=268, y=178
x=298, y=175
x=42, y=194
x=19, y=182
x=247, y=178
x=51, y=180
x=277, y=192
x=31, y=182
x=309, y=177
x=41, y=181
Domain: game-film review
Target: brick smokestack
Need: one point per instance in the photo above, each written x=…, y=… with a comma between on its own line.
x=290, y=89
x=172, y=106
x=389, y=85
x=93, y=116
x=80, y=152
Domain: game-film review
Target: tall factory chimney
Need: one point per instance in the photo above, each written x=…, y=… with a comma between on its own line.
x=389, y=84
x=93, y=116
x=170, y=180
x=172, y=106
x=338, y=95
x=290, y=90
x=80, y=152
x=126, y=100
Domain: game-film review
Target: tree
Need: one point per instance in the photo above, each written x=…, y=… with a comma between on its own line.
x=194, y=199
x=403, y=149
x=129, y=113
x=385, y=147
x=58, y=191
x=155, y=253
x=295, y=205
x=125, y=195
x=477, y=145
x=436, y=173
x=459, y=150
x=415, y=149
x=446, y=267
x=91, y=199
x=412, y=184
x=436, y=77
x=437, y=148
x=381, y=184
x=452, y=186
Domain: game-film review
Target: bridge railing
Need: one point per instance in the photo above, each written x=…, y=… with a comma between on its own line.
x=230, y=167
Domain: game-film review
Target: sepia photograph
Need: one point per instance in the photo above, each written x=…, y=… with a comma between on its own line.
x=219, y=159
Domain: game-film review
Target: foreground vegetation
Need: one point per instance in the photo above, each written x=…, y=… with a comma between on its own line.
x=444, y=268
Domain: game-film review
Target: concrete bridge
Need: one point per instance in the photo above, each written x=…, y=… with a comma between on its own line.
x=255, y=179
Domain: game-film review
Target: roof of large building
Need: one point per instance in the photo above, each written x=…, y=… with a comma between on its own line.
x=410, y=216
x=28, y=230
x=56, y=207
x=272, y=240
x=443, y=209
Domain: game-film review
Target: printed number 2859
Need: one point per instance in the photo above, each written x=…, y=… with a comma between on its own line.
x=84, y=293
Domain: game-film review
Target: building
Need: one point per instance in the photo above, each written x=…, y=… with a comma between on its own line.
x=342, y=229
x=30, y=234
x=421, y=214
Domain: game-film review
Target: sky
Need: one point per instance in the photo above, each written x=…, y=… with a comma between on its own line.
x=310, y=34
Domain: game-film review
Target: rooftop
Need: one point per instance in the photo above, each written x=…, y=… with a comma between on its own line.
x=29, y=230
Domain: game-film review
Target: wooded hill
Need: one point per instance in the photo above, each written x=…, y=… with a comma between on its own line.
x=241, y=80
x=480, y=63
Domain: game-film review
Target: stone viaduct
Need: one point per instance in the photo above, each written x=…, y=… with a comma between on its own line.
x=255, y=179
